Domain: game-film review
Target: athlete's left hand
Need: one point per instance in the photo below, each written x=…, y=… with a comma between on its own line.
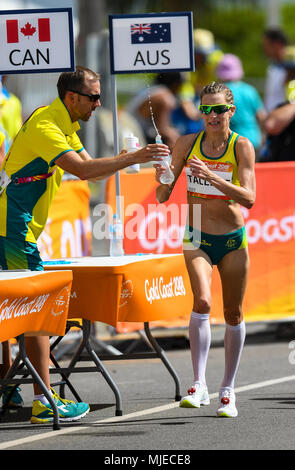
x=199, y=168
x=160, y=170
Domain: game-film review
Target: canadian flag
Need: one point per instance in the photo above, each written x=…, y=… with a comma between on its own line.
x=13, y=31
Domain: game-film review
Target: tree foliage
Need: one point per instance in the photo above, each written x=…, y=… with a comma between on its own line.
x=288, y=20
x=239, y=31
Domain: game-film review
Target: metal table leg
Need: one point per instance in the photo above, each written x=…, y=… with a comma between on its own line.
x=22, y=356
x=161, y=354
x=85, y=343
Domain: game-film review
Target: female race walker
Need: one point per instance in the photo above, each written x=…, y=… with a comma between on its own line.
x=220, y=173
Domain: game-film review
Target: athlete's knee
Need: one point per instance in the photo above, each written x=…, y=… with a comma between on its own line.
x=202, y=304
x=233, y=317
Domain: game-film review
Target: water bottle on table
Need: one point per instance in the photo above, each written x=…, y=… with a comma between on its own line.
x=131, y=144
x=116, y=237
x=167, y=177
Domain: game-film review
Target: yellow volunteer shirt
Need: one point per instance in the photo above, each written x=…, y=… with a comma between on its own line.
x=2, y=138
x=44, y=137
x=11, y=115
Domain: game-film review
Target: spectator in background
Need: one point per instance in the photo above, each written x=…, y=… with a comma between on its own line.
x=207, y=57
x=158, y=100
x=274, y=45
x=280, y=122
x=2, y=147
x=186, y=118
x=250, y=113
x=289, y=64
x=10, y=113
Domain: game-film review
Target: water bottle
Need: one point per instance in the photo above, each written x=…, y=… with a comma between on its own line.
x=167, y=177
x=116, y=237
x=131, y=144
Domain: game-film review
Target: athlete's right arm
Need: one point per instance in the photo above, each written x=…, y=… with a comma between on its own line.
x=179, y=153
x=99, y=168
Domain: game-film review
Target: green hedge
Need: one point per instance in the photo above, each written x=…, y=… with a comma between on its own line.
x=239, y=31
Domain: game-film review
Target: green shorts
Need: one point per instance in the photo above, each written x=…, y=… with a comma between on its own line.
x=215, y=246
x=19, y=254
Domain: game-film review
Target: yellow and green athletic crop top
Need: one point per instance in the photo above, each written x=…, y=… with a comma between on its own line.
x=225, y=166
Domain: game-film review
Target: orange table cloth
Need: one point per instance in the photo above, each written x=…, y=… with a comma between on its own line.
x=130, y=288
x=34, y=303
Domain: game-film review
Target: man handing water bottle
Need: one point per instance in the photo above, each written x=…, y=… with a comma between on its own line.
x=164, y=173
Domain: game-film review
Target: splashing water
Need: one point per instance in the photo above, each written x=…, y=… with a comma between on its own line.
x=150, y=103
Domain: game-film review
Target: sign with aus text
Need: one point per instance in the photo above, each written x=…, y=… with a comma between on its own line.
x=39, y=40
x=157, y=42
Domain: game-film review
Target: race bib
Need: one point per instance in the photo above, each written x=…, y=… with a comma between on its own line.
x=199, y=186
x=4, y=180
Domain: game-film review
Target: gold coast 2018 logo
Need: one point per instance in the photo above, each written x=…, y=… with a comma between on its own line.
x=61, y=302
x=126, y=292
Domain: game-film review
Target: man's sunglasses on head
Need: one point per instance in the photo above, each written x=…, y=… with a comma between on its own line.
x=92, y=98
x=217, y=108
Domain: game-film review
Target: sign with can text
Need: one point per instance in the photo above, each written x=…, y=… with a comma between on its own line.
x=158, y=42
x=36, y=41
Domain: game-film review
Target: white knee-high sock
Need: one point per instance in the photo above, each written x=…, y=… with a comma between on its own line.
x=200, y=340
x=234, y=339
x=42, y=398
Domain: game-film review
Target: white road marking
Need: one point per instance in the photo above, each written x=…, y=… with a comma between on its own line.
x=136, y=414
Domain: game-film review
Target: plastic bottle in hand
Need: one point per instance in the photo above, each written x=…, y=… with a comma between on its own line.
x=131, y=144
x=116, y=234
x=167, y=177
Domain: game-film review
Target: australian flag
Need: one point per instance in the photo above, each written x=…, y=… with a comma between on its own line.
x=150, y=33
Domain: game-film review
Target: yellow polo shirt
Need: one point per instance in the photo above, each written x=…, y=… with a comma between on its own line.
x=44, y=137
x=2, y=138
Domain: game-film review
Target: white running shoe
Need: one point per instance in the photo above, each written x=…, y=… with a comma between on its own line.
x=197, y=396
x=227, y=402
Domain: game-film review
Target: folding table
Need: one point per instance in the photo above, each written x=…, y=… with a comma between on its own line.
x=132, y=288
x=32, y=303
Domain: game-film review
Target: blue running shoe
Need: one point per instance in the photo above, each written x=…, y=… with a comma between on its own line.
x=63, y=400
x=15, y=401
x=67, y=411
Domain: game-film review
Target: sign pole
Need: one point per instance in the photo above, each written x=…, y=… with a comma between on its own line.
x=116, y=140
